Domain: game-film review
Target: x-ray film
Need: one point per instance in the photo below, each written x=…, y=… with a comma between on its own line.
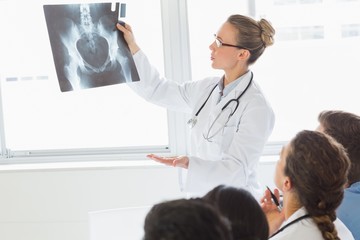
x=87, y=48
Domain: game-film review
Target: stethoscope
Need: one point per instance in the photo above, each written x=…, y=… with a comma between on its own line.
x=192, y=122
x=290, y=223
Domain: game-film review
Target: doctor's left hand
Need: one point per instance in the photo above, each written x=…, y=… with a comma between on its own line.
x=177, y=161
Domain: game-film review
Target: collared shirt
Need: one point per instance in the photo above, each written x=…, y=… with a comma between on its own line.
x=349, y=211
x=307, y=229
x=224, y=91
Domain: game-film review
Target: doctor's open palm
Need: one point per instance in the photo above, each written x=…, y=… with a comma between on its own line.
x=177, y=161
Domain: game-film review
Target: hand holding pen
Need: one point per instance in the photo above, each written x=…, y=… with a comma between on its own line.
x=271, y=207
x=270, y=201
x=275, y=199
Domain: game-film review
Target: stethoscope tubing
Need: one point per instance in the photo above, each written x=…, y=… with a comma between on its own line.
x=237, y=100
x=226, y=104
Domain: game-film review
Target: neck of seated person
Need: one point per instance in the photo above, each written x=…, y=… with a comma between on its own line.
x=291, y=203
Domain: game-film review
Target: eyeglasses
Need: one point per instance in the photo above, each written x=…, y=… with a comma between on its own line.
x=219, y=43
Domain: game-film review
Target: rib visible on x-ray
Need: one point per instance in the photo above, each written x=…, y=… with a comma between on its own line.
x=87, y=51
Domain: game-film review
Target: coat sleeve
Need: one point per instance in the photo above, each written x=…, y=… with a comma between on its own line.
x=161, y=91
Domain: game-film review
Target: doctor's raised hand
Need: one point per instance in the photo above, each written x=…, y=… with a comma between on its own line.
x=128, y=36
x=231, y=118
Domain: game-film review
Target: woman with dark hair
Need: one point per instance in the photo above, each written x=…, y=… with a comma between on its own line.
x=311, y=173
x=247, y=219
x=185, y=219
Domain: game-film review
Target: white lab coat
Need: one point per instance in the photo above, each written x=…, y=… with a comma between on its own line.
x=307, y=229
x=232, y=156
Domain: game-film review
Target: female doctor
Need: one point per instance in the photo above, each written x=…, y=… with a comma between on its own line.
x=232, y=119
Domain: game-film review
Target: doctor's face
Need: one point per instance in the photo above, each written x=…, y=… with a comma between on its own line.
x=225, y=57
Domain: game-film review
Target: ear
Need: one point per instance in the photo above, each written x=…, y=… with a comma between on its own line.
x=287, y=184
x=244, y=54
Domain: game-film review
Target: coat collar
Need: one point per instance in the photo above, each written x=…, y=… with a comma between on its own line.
x=235, y=91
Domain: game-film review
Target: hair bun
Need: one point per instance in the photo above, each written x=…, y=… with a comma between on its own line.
x=267, y=32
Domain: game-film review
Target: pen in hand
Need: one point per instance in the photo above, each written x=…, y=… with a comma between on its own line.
x=275, y=200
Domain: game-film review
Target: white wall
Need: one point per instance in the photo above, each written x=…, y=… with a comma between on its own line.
x=53, y=204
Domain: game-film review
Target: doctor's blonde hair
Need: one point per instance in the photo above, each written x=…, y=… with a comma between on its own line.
x=252, y=34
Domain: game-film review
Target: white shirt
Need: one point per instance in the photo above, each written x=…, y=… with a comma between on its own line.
x=307, y=229
x=231, y=156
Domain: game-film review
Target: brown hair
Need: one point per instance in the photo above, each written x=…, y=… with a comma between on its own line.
x=185, y=219
x=247, y=219
x=345, y=128
x=252, y=34
x=317, y=166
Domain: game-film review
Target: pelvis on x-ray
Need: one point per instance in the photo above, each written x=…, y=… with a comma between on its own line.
x=94, y=51
x=87, y=49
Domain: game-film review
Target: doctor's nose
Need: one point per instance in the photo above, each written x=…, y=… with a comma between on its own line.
x=212, y=45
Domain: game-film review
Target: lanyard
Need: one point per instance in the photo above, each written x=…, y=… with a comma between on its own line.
x=291, y=223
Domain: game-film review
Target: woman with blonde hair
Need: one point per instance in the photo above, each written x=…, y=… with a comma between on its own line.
x=231, y=118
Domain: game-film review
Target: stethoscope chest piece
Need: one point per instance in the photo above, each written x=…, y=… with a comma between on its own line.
x=192, y=122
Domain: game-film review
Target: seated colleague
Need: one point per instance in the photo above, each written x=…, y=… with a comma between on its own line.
x=311, y=173
x=185, y=219
x=345, y=128
x=247, y=219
